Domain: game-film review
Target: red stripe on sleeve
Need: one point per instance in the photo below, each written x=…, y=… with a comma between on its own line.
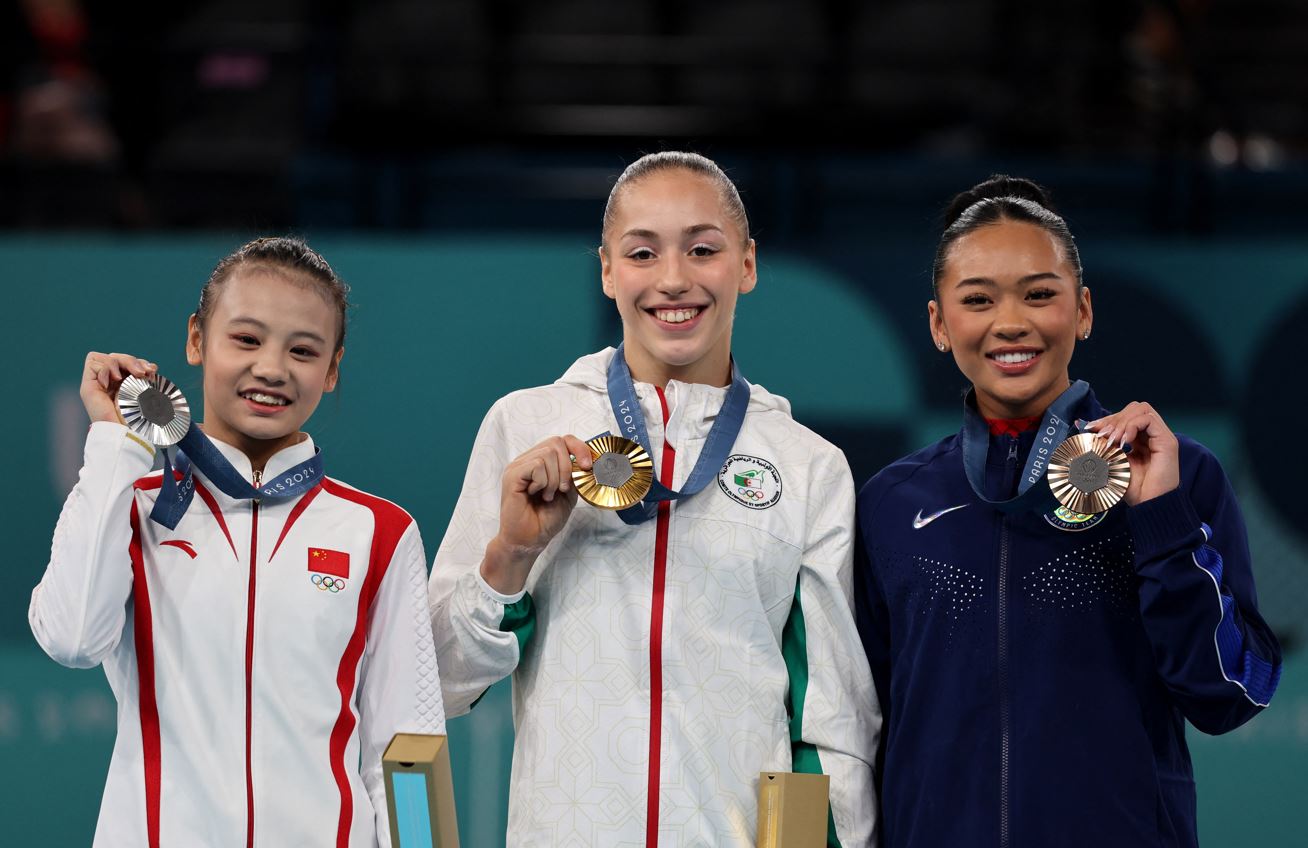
x=143, y=633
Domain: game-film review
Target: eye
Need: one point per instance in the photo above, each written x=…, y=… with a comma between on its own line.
x=977, y=299
x=703, y=250
x=1040, y=294
x=245, y=339
x=641, y=254
x=306, y=352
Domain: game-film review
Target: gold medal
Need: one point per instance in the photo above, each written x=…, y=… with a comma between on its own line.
x=154, y=409
x=621, y=473
x=1087, y=474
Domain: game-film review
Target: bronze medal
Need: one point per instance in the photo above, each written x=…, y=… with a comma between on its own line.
x=1087, y=474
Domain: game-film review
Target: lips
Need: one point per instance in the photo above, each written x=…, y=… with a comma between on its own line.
x=265, y=401
x=1014, y=360
x=676, y=316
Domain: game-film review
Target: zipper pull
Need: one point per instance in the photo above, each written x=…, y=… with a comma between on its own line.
x=1012, y=449
x=258, y=477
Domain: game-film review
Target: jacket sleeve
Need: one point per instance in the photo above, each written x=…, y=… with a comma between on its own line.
x=833, y=707
x=1217, y=656
x=398, y=687
x=873, y=616
x=79, y=607
x=480, y=633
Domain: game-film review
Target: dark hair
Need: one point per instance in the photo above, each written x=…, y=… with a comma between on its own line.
x=1002, y=198
x=279, y=253
x=669, y=160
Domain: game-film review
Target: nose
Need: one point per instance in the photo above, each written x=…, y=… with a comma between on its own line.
x=269, y=366
x=1010, y=321
x=675, y=280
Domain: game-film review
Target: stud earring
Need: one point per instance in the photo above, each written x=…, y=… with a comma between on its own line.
x=941, y=345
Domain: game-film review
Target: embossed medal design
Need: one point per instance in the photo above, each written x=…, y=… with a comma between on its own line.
x=621, y=473
x=1087, y=474
x=154, y=409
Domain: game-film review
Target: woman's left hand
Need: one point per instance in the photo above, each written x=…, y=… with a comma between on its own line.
x=1154, y=457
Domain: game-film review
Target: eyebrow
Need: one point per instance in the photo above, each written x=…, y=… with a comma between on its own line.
x=989, y=283
x=255, y=322
x=693, y=229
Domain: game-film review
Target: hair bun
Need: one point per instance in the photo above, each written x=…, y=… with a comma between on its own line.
x=998, y=185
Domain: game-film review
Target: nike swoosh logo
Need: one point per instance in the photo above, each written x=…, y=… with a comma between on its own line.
x=921, y=521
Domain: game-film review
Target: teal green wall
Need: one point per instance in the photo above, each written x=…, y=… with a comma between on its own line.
x=443, y=327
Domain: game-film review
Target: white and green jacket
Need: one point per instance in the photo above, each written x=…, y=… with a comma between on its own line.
x=659, y=668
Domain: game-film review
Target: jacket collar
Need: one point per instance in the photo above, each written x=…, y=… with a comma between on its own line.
x=283, y=460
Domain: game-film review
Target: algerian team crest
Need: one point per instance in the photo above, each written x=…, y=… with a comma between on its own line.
x=1073, y=522
x=750, y=481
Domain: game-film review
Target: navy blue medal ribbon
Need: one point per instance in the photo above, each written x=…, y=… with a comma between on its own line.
x=631, y=421
x=1056, y=424
x=195, y=450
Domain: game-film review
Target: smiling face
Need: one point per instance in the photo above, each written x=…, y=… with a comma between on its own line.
x=267, y=348
x=674, y=262
x=1009, y=307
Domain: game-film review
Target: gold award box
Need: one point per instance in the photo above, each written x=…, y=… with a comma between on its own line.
x=420, y=792
x=792, y=809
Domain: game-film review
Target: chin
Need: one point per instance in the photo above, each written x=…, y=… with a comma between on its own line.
x=269, y=434
x=677, y=354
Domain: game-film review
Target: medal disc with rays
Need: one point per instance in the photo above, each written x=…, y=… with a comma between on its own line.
x=154, y=409
x=1087, y=474
x=620, y=475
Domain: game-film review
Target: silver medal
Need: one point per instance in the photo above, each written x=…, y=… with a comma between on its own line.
x=154, y=409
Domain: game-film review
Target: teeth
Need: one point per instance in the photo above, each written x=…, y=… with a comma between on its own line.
x=676, y=316
x=1014, y=358
x=269, y=400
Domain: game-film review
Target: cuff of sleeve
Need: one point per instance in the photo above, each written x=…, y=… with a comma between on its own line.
x=499, y=597
x=107, y=436
x=1163, y=525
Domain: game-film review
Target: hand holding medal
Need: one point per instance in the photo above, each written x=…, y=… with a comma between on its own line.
x=536, y=498
x=1154, y=457
x=102, y=375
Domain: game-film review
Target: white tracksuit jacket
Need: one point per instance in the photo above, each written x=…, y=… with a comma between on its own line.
x=688, y=653
x=247, y=693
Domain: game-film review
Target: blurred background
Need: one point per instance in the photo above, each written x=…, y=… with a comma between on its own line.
x=451, y=159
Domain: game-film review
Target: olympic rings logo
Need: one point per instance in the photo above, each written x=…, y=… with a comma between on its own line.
x=752, y=494
x=328, y=584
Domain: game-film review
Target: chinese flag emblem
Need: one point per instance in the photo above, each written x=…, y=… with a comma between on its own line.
x=324, y=561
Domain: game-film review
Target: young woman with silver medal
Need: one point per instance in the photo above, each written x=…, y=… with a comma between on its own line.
x=691, y=625
x=1036, y=661
x=262, y=625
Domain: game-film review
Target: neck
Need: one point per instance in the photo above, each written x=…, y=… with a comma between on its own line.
x=992, y=407
x=258, y=451
x=713, y=369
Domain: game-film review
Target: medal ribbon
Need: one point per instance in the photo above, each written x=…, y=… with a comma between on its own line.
x=721, y=436
x=1056, y=424
x=195, y=449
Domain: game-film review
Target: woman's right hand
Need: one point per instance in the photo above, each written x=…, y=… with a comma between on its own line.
x=101, y=376
x=536, y=498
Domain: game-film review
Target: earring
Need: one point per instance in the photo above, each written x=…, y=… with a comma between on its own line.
x=1085, y=337
x=941, y=345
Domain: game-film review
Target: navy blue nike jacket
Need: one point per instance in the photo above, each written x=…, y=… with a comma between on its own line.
x=1036, y=671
